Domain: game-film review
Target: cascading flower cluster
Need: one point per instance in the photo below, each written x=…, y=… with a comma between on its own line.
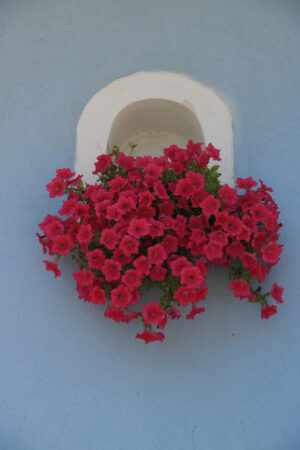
x=162, y=221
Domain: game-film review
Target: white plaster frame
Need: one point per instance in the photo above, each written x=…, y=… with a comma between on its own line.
x=99, y=114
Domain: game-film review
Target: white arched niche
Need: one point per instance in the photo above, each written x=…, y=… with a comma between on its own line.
x=153, y=110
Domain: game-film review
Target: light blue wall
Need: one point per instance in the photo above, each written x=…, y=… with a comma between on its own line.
x=70, y=379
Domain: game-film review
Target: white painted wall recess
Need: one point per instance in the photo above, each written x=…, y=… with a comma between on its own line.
x=153, y=110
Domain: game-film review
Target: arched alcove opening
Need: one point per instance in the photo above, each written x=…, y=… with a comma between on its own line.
x=154, y=124
x=153, y=110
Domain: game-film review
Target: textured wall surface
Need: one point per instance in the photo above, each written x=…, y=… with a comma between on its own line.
x=71, y=379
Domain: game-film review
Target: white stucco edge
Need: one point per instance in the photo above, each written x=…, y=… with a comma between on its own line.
x=99, y=113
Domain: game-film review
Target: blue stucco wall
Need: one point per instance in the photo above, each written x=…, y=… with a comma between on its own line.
x=70, y=379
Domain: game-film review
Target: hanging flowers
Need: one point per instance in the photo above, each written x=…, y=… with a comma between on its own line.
x=162, y=221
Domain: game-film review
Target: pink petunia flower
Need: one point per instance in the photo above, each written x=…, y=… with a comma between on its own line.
x=191, y=276
x=142, y=265
x=153, y=313
x=96, y=258
x=194, y=311
x=52, y=266
x=120, y=297
x=158, y=273
x=185, y=295
x=62, y=244
x=240, y=288
x=97, y=295
x=268, y=310
x=276, y=293
x=132, y=279
x=227, y=194
x=156, y=254
x=210, y=205
x=178, y=264
x=129, y=245
x=270, y=253
x=109, y=238
x=118, y=315
x=56, y=188
x=150, y=335
x=84, y=234
x=111, y=270
x=213, y=250
x=84, y=277
x=138, y=228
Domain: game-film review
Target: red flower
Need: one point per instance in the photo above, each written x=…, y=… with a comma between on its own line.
x=219, y=236
x=142, y=265
x=125, y=204
x=150, y=335
x=84, y=234
x=111, y=270
x=235, y=250
x=155, y=228
x=276, y=293
x=153, y=171
x=62, y=244
x=138, y=228
x=184, y=188
x=240, y=288
x=132, y=279
x=233, y=226
x=117, y=183
x=185, y=295
x=178, y=264
x=191, y=276
x=170, y=243
x=53, y=267
x=259, y=239
x=270, y=253
x=64, y=174
x=96, y=258
x=67, y=207
x=201, y=293
x=213, y=250
x=146, y=212
x=259, y=212
x=227, y=194
x=146, y=198
x=153, y=313
x=53, y=229
x=160, y=190
x=156, y=254
x=79, y=209
x=246, y=183
x=158, y=273
x=84, y=277
x=213, y=152
x=129, y=245
x=103, y=161
x=173, y=313
x=203, y=159
x=56, y=188
x=120, y=297
x=194, y=311
x=115, y=313
x=268, y=310
x=97, y=295
x=210, y=205
x=127, y=162
x=109, y=238
x=113, y=213
x=119, y=256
